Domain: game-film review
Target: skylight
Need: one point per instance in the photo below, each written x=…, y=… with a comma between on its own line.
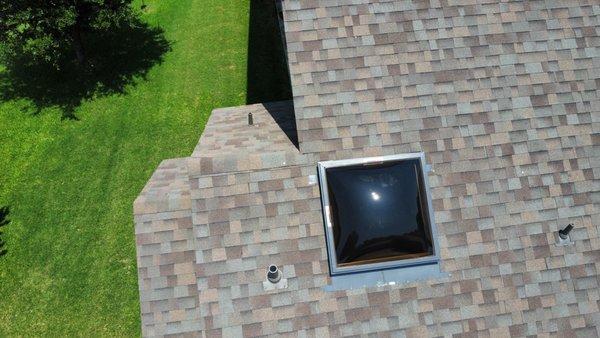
x=377, y=213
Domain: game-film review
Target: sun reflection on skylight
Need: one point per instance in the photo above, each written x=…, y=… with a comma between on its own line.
x=375, y=196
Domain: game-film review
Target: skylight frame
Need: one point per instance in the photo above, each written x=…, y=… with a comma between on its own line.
x=334, y=268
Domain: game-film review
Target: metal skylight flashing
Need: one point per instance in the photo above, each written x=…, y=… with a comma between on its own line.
x=337, y=269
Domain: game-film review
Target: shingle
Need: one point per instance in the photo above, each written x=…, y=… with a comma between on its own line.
x=500, y=96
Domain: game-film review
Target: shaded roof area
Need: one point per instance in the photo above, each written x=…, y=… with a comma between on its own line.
x=503, y=98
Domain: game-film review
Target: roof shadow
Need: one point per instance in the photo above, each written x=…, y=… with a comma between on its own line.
x=268, y=78
x=283, y=114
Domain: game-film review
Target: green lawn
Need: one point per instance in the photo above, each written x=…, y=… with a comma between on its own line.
x=70, y=265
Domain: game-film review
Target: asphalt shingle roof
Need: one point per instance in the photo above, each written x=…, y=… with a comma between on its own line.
x=503, y=98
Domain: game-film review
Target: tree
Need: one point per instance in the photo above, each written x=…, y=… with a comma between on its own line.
x=55, y=31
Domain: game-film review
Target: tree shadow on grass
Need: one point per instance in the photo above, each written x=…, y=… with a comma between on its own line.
x=116, y=58
x=4, y=211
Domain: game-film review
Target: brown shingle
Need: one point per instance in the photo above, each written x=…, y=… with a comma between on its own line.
x=506, y=113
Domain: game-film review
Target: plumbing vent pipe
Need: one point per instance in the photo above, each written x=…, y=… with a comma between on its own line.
x=564, y=233
x=250, y=119
x=273, y=274
x=563, y=238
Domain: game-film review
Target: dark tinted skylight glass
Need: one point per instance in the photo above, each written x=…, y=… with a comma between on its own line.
x=379, y=212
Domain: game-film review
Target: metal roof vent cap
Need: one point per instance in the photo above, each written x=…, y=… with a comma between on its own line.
x=273, y=274
x=563, y=236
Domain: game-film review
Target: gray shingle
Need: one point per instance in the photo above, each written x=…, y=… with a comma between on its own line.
x=503, y=99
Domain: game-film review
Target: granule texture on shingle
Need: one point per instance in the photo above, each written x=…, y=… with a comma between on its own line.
x=517, y=60
x=502, y=97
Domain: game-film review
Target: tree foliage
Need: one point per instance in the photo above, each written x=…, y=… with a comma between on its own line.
x=55, y=31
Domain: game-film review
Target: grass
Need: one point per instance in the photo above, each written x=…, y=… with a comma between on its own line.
x=69, y=184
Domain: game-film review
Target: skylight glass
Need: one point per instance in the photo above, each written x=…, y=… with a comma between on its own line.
x=377, y=213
